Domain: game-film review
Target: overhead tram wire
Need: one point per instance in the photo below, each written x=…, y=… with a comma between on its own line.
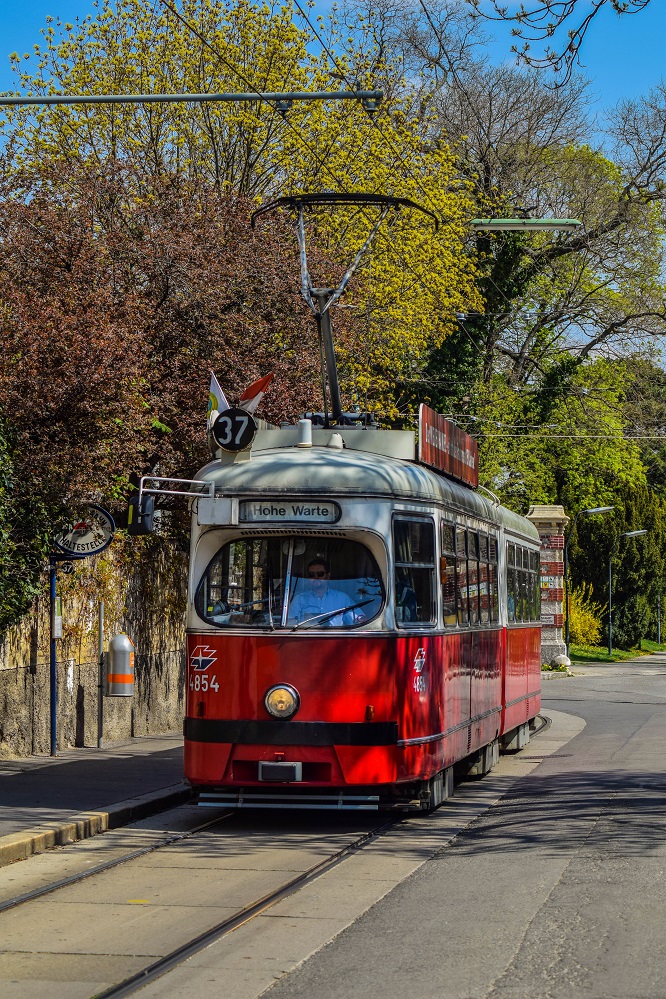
x=241, y=76
x=322, y=163
x=463, y=91
x=390, y=144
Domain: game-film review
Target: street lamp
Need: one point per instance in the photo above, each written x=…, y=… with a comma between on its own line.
x=627, y=534
x=593, y=509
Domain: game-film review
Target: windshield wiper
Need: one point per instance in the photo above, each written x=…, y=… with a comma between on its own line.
x=322, y=617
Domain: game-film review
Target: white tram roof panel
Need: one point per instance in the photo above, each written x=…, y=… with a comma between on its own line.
x=377, y=463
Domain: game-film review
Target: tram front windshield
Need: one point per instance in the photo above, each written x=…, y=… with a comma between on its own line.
x=292, y=583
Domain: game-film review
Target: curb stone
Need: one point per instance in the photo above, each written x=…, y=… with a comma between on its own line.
x=21, y=845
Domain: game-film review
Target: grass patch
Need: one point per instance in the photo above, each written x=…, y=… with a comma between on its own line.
x=645, y=645
x=592, y=654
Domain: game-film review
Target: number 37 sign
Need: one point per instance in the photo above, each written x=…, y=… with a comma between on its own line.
x=234, y=430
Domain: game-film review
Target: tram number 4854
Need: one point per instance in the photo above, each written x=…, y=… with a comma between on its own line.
x=204, y=683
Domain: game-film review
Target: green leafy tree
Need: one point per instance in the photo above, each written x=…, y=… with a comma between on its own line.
x=638, y=563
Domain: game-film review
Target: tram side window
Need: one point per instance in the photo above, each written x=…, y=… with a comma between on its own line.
x=492, y=580
x=511, y=581
x=523, y=584
x=473, y=576
x=448, y=574
x=535, y=569
x=414, y=553
x=463, y=581
x=484, y=580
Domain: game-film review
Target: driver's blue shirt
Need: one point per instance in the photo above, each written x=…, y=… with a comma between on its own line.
x=308, y=604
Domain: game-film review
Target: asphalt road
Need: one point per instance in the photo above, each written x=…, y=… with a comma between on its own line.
x=544, y=880
x=556, y=891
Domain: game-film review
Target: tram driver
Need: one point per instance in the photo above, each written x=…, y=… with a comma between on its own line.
x=320, y=599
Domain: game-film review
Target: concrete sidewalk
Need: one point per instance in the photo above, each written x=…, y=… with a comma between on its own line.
x=45, y=802
x=649, y=662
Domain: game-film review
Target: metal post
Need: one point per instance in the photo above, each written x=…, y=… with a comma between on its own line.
x=659, y=619
x=53, y=679
x=100, y=697
x=610, y=604
x=322, y=296
x=279, y=98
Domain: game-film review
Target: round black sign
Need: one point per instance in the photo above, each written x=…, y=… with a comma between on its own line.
x=234, y=430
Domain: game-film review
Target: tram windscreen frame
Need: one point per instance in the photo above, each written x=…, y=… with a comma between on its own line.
x=286, y=582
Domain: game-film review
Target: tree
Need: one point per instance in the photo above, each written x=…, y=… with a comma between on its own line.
x=545, y=18
x=249, y=149
x=129, y=47
x=119, y=294
x=599, y=289
x=638, y=563
x=522, y=149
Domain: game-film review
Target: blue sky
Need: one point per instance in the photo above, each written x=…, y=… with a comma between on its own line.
x=623, y=56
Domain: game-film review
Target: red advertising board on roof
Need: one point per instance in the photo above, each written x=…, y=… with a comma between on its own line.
x=444, y=446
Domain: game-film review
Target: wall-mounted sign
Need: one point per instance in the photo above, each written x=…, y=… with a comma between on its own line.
x=444, y=446
x=89, y=535
x=288, y=511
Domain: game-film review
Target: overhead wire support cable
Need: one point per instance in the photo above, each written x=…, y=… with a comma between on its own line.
x=276, y=98
x=320, y=161
x=345, y=76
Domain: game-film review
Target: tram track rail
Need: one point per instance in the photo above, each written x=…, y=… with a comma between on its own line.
x=36, y=893
x=180, y=954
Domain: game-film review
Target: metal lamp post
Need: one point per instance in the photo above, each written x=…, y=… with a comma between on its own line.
x=626, y=534
x=593, y=509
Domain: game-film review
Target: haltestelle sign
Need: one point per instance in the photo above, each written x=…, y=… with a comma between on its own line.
x=89, y=535
x=444, y=446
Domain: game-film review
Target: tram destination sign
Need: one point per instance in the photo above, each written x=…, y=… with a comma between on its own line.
x=283, y=511
x=447, y=448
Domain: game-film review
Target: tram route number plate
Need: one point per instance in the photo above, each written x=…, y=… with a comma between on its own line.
x=234, y=430
x=308, y=511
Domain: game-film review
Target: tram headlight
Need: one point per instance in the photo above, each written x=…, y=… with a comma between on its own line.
x=282, y=701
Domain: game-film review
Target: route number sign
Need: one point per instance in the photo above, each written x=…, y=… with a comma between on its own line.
x=234, y=430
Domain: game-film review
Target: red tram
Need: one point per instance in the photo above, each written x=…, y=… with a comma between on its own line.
x=358, y=624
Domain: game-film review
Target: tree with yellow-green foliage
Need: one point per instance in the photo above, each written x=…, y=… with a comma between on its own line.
x=248, y=148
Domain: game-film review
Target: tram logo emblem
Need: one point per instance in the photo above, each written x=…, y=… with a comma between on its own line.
x=419, y=661
x=419, y=681
x=202, y=657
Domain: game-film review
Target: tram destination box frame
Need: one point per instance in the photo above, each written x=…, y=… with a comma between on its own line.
x=446, y=448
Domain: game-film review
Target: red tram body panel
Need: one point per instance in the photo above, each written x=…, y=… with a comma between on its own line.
x=425, y=654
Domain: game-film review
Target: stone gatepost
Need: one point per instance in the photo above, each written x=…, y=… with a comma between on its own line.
x=550, y=522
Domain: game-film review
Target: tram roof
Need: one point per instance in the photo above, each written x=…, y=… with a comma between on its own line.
x=332, y=472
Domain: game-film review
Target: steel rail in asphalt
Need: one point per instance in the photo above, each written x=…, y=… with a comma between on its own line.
x=170, y=961
x=73, y=879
